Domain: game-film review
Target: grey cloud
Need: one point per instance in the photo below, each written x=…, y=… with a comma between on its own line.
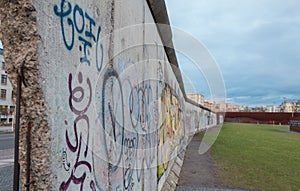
x=255, y=43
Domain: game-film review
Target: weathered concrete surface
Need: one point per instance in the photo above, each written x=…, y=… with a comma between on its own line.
x=19, y=36
x=160, y=16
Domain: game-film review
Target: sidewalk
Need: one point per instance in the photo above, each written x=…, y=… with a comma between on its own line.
x=198, y=171
x=6, y=169
x=6, y=129
x=6, y=157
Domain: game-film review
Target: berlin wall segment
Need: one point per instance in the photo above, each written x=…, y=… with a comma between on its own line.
x=115, y=122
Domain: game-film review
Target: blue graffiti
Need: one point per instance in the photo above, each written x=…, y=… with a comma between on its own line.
x=84, y=26
x=99, y=66
x=63, y=14
x=80, y=11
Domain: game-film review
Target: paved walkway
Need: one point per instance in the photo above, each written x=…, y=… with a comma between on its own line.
x=198, y=171
x=6, y=157
x=6, y=169
x=6, y=128
x=6, y=178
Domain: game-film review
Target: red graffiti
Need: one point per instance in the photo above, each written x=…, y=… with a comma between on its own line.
x=77, y=98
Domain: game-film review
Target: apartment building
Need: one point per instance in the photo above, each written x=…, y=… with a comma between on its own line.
x=272, y=108
x=290, y=106
x=6, y=102
x=198, y=98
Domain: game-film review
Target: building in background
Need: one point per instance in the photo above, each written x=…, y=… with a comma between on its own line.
x=290, y=106
x=198, y=98
x=6, y=102
x=220, y=107
x=209, y=105
x=272, y=108
x=287, y=106
x=232, y=108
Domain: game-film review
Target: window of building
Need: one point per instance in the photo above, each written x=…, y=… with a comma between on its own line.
x=2, y=110
x=3, y=66
x=3, y=94
x=4, y=79
x=11, y=110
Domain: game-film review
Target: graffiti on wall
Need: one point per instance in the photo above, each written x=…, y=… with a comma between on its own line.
x=74, y=21
x=129, y=144
x=122, y=129
x=79, y=127
x=170, y=129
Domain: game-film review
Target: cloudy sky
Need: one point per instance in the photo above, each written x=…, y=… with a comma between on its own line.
x=255, y=43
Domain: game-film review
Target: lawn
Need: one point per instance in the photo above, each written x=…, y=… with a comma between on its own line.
x=258, y=157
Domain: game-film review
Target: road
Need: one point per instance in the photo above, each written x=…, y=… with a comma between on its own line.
x=6, y=141
x=6, y=161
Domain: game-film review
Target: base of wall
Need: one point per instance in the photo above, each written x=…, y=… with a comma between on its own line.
x=173, y=177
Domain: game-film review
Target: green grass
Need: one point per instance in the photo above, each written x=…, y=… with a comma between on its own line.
x=257, y=157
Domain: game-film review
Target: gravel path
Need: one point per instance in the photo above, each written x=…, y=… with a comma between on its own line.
x=198, y=171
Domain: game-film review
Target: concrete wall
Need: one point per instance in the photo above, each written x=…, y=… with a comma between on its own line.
x=106, y=109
